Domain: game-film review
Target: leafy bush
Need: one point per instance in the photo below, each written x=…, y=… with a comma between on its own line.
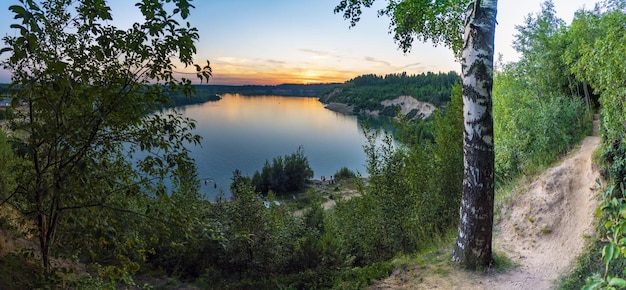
x=602, y=66
x=344, y=173
x=412, y=196
x=531, y=132
x=284, y=175
x=263, y=244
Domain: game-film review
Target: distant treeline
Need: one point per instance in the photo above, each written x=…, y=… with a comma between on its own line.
x=367, y=91
x=206, y=93
x=201, y=95
x=299, y=90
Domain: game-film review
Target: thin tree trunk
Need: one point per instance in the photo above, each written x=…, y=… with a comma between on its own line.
x=587, y=97
x=39, y=194
x=571, y=86
x=473, y=245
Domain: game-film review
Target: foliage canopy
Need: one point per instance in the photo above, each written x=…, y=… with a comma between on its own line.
x=87, y=87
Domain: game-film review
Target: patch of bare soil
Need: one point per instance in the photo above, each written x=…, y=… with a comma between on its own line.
x=408, y=104
x=542, y=231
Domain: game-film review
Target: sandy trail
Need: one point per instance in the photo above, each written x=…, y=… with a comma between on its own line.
x=546, y=225
x=543, y=230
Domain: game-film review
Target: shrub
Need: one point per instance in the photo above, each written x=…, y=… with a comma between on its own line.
x=344, y=173
x=531, y=132
x=284, y=175
x=412, y=196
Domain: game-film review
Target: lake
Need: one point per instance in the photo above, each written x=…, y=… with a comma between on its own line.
x=241, y=132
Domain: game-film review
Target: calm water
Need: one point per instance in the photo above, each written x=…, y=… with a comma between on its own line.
x=241, y=132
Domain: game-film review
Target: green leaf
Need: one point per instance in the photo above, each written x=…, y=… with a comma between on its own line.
x=622, y=211
x=607, y=253
x=617, y=282
x=19, y=11
x=594, y=285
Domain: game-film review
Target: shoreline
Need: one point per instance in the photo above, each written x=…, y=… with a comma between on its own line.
x=340, y=108
x=409, y=106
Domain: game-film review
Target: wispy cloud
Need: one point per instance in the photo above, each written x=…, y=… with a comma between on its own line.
x=317, y=52
x=416, y=64
x=273, y=61
x=378, y=61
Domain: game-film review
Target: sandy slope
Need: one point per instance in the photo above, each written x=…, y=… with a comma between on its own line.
x=406, y=104
x=548, y=223
x=543, y=231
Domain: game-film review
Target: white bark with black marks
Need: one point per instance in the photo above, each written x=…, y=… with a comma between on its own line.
x=473, y=245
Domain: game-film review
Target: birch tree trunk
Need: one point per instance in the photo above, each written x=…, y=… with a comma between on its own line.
x=473, y=244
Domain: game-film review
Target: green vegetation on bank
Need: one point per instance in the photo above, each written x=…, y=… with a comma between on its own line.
x=283, y=176
x=206, y=92
x=201, y=93
x=367, y=91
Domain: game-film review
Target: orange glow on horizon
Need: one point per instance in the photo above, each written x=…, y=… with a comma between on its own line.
x=273, y=78
x=236, y=71
x=241, y=71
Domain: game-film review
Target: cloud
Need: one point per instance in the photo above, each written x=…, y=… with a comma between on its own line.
x=317, y=52
x=273, y=61
x=390, y=68
x=375, y=60
x=416, y=64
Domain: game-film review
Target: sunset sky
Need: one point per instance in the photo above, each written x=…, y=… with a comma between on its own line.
x=287, y=41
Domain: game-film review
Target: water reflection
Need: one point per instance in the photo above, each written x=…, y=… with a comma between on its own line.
x=241, y=132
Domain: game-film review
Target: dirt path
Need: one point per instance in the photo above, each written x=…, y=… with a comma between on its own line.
x=543, y=231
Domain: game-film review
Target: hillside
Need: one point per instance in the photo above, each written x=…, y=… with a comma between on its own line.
x=408, y=106
x=386, y=95
x=545, y=227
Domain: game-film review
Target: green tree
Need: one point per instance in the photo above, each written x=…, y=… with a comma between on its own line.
x=468, y=28
x=284, y=175
x=531, y=133
x=448, y=155
x=90, y=88
x=582, y=32
x=297, y=170
x=540, y=41
x=600, y=63
x=601, y=66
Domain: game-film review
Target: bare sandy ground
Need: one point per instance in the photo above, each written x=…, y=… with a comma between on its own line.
x=543, y=230
x=408, y=104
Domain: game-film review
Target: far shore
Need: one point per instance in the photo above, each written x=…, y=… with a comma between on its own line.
x=407, y=105
x=341, y=108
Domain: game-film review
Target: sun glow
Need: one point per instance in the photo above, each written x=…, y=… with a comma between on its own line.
x=260, y=76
